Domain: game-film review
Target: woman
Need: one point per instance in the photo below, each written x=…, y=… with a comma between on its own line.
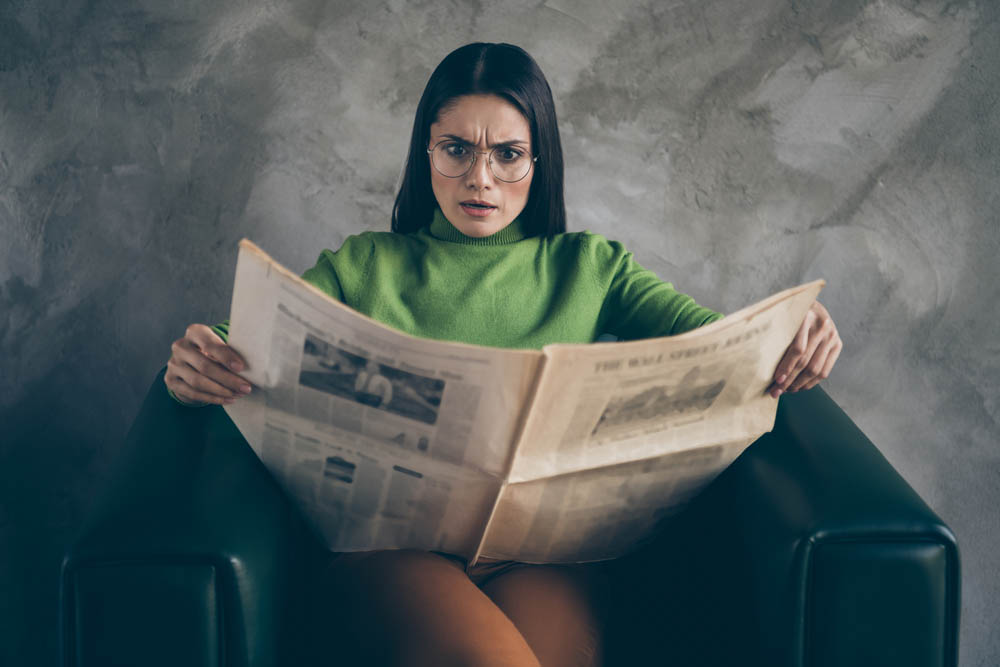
x=478, y=253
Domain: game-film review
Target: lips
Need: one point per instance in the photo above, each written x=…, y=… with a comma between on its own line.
x=477, y=208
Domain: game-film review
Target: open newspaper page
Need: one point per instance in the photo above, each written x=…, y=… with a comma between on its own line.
x=382, y=439
x=621, y=435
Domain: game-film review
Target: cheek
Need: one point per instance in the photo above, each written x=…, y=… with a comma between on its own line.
x=521, y=191
x=439, y=185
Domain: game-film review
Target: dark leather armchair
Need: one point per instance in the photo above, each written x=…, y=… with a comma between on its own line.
x=810, y=550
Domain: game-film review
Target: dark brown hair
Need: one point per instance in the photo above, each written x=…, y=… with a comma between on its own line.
x=509, y=72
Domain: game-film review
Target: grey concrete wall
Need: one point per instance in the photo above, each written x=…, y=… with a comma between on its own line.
x=738, y=147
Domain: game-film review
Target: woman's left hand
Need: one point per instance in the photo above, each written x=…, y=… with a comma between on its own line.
x=811, y=356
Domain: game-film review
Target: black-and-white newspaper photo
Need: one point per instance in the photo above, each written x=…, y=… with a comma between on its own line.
x=354, y=376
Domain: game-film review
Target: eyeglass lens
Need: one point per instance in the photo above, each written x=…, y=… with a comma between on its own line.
x=454, y=159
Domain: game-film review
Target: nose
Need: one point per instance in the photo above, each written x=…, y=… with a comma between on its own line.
x=480, y=177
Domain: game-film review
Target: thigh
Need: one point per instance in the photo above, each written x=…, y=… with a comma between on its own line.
x=417, y=608
x=559, y=610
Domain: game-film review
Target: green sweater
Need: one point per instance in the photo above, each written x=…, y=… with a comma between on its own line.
x=505, y=290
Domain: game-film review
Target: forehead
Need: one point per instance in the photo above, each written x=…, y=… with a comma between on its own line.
x=475, y=117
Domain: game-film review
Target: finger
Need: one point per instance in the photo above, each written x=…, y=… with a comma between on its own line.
x=828, y=365
x=792, y=354
x=188, y=393
x=809, y=365
x=184, y=392
x=816, y=328
x=174, y=386
x=213, y=347
x=813, y=370
x=231, y=381
x=796, y=356
x=819, y=310
x=197, y=380
x=821, y=333
x=186, y=352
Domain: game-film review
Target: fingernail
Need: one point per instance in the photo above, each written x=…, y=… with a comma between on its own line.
x=776, y=393
x=780, y=378
x=245, y=388
x=235, y=365
x=228, y=401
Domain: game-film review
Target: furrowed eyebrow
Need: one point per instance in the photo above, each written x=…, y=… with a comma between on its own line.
x=512, y=142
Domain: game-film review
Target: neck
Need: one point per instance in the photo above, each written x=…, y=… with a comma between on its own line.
x=442, y=229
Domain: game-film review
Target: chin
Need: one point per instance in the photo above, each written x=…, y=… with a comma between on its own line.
x=479, y=230
x=470, y=226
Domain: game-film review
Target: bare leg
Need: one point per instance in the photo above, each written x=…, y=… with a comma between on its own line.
x=418, y=608
x=557, y=609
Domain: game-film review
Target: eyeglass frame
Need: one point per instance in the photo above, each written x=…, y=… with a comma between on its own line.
x=489, y=161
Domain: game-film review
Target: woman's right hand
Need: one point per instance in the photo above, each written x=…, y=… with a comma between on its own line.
x=203, y=369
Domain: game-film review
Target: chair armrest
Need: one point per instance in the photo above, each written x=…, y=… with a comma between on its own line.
x=193, y=554
x=809, y=550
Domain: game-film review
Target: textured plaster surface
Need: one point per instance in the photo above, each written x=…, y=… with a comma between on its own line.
x=736, y=147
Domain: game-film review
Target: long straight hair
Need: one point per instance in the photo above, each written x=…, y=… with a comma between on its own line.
x=509, y=72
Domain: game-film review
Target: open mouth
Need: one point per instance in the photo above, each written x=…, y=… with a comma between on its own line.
x=477, y=208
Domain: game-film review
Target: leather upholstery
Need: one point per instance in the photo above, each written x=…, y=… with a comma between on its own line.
x=809, y=551
x=878, y=592
x=188, y=493
x=112, y=601
x=782, y=559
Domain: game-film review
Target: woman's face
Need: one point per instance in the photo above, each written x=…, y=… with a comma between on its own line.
x=482, y=122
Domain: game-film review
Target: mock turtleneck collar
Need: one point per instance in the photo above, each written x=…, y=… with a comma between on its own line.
x=442, y=229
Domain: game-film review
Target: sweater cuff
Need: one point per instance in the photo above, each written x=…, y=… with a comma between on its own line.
x=222, y=330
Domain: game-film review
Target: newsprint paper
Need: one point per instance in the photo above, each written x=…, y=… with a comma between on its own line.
x=569, y=454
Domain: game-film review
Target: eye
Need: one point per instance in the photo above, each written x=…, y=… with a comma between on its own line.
x=456, y=149
x=508, y=154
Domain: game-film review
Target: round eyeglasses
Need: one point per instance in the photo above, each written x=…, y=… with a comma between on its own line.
x=453, y=158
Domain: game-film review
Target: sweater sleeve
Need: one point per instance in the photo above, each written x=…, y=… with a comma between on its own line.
x=637, y=303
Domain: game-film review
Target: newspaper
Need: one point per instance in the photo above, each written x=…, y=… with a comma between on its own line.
x=569, y=454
